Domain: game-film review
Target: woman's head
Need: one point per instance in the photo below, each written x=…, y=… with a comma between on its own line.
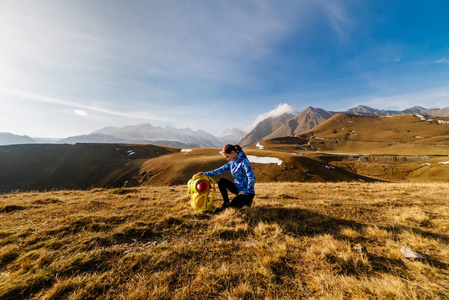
x=231, y=152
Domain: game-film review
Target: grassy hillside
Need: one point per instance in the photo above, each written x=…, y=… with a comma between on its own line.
x=398, y=148
x=83, y=166
x=398, y=135
x=80, y=166
x=295, y=242
x=178, y=168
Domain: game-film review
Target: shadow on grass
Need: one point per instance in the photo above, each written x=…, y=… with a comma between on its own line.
x=302, y=222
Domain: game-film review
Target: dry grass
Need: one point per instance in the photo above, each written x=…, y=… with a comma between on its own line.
x=295, y=242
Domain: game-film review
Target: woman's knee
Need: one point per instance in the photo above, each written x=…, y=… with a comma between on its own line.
x=223, y=182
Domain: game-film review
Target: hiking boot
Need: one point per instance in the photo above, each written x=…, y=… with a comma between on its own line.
x=225, y=205
x=249, y=203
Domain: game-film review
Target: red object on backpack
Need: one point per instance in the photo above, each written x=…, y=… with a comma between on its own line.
x=202, y=187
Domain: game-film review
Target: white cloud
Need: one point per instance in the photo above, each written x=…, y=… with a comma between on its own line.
x=339, y=22
x=437, y=97
x=443, y=60
x=279, y=110
x=80, y=112
x=79, y=107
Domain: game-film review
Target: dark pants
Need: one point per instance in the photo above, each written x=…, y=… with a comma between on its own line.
x=240, y=200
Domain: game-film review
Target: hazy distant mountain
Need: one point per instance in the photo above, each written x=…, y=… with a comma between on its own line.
x=363, y=110
x=46, y=140
x=7, y=138
x=231, y=136
x=431, y=112
x=92, y=138
x=305, y=120
x=148, y=134
x=265, y=128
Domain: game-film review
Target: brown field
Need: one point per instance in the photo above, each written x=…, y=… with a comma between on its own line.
x=395, y=135
x=295, y=242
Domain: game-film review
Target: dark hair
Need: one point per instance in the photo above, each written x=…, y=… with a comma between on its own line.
x=229, y=148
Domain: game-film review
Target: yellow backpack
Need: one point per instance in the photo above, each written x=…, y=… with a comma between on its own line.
x=202, y=193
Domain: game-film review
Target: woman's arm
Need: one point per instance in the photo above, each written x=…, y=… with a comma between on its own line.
x=221, y=170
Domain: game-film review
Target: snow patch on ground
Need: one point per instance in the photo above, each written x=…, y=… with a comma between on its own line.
x=264, y=160
x=260, y=146
x=130, y=152
x=421, y=117
x=185, y=151
x=443, y=163
x=426, y=164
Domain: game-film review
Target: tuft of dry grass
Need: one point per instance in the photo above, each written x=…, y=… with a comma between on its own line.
x=295, y=242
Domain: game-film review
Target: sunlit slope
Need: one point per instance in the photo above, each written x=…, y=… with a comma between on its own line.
x=178, y=168
x=400, y=135
x=402, y=147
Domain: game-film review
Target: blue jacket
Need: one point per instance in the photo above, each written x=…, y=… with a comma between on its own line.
x=242, y=172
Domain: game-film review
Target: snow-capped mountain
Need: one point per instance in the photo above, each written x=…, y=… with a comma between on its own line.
x=149, y=134
x=363, y=110
x=231, y=136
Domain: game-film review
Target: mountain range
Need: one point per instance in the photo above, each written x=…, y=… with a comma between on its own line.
x=284, y=125
x=292, y=125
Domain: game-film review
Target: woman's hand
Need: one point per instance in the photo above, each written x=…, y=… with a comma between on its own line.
x=241, y=193
x=200, y=173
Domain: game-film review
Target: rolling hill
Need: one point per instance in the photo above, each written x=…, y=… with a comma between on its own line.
x=80, y=166
x=83, y=166
x=401, y=147
x=401, y=134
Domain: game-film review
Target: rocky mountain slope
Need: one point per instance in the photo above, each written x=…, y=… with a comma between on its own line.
x=305, y=120
x=265, y=128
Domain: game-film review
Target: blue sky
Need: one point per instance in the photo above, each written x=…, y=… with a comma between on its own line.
x=70, y=67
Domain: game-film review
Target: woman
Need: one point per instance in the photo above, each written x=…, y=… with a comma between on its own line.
x=244, y=179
